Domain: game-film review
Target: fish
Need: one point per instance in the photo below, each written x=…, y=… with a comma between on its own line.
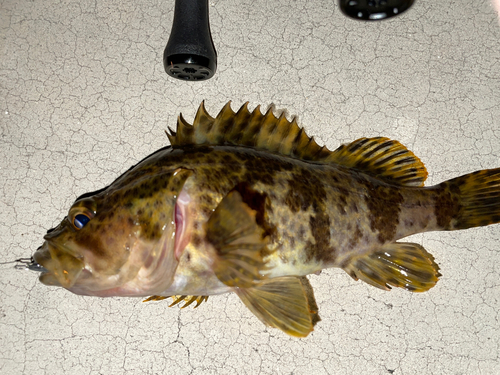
x=247, y=202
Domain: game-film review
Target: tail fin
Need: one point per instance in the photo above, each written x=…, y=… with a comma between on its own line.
x=475, y=200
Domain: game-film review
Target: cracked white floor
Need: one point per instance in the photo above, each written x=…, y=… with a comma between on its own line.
x=83, y=96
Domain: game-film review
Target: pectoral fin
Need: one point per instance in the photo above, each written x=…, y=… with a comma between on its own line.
x=404, y=265
x=240, y=243
x=286, y=303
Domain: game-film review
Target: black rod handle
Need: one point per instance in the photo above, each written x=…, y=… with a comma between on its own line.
x=190, y=52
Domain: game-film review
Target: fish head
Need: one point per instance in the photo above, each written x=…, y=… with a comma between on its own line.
x=119, y=241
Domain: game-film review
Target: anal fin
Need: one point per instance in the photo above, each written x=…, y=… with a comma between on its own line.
x=286, y=303
x=239, y=241
x=403, y=265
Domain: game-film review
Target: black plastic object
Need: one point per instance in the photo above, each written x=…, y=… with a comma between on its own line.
x=190, y=53
x=374, y=10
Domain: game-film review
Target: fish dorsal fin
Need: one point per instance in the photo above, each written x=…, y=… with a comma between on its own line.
x=251, y=129
x=380, y=157
x=383, y=158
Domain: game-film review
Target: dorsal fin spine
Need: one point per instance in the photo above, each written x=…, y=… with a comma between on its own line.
x=283, y=127
x=204, y=121
x=240, y=123
x=227, y=124
x=184, y=131
x=171, y=135
x=265, y=133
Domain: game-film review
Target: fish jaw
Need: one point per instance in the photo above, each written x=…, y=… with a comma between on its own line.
x=61, y=268
x=149, y=270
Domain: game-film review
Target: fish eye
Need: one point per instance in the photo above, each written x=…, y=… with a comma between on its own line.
x=80, y=221
x=81, y=213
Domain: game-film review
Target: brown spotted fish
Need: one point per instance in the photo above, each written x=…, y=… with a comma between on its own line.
x=248, y=203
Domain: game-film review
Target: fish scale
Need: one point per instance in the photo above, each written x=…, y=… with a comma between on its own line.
x=246, y=202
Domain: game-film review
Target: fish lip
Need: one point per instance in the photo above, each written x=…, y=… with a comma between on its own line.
x=41, y=257
x=58, y=264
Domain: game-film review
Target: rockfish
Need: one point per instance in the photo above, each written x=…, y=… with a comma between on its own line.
x=246, y=202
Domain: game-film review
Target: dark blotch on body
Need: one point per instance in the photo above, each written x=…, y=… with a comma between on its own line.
x=304, y=190
x=446, y=206
x=263, y=169
x=261, y=205
x=196, y=240
x=321, y=250
x=384, y=203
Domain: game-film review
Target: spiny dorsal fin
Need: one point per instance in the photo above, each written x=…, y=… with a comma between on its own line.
x=383, y=158
x=250, y=129
x=379, y=157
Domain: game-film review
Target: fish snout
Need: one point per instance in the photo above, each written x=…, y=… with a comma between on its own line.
x=59, y=267
x=42, y=255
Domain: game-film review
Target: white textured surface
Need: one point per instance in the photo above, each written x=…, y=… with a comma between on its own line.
x=84, y=96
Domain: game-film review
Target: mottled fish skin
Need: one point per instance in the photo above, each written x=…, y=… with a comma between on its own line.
x=248, y=203
x=317, y=216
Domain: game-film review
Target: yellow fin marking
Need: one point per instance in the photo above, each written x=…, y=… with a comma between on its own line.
x=155, y=298
x=286, y=303
x=177, y=299
x=383, y=158
x=403, y=265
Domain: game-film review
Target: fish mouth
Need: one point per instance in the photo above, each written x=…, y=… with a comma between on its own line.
x=58, y=267
x=31, y=265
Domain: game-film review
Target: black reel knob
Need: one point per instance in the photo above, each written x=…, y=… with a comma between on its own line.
x=190, y=53
x=374, y=10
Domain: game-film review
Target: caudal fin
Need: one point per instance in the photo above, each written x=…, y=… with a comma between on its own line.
x=470, y=201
